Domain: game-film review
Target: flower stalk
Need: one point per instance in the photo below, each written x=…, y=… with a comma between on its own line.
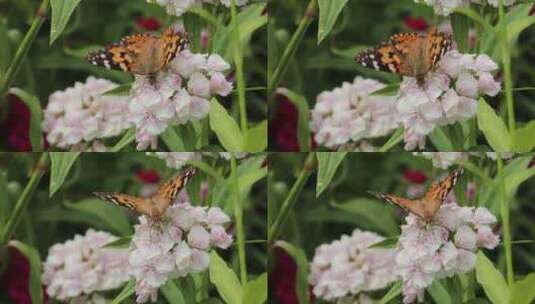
x=289, y=202
x=296, y=39
x=238, y=215
x=24, y=47
x=506, y=60
x=24, y=199
x=504, y=211
x=238, y=60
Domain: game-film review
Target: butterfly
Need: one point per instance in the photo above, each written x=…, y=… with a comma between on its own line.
x=407, y=54
x=427, y=206
x=141, y=54
x=155, y=205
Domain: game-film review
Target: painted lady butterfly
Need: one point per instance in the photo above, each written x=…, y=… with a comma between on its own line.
x=155, y=205
x=407, y=54
x=427, y=206
x=142, y=54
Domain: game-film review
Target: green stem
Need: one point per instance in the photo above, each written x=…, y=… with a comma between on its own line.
x=238, y=215
x=238, y=60
x=296, y=39
x=24, y=199
x=289, y=202
x=506, y=60
x=504, y=210
x=24, y=47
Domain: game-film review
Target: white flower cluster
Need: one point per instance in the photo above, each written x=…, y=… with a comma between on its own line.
x=346, y=267
x=449, y=95
x=443, y=248
x=178, y=7
x=178, y=159
x=174, y=246
x=74, y=119
x=446, y=7
x=176, y=95
x=350, y=113
x=80, y=267
x=443, y=160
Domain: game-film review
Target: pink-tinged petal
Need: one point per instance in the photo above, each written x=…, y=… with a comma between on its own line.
x=485, y=64
x=487, y=85
x=487, y=238
x=483, y=216
x=198, y=237
x=467, y=85
x=465, y=238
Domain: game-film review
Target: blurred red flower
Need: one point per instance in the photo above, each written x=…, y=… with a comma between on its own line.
x=148, y=176
x=15, y=126
x=416, y=24
x=148, y=23
x=283, y=127
x=282, y=278
x=414, y=176
x=15, y=280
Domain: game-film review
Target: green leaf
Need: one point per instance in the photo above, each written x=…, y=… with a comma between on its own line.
x=329, y=12
x=461, y=25
x=225, y=280
x=36, y=117
x=122, y=242
x=327, y=164
x=300, y=258
x=256, y=291
x=365, y=213
x=127, y=138
x=303, y=128
x=390, y=90
x=392, y=293
x=440, y=140
x=227, y=130
x=5, y=206
x=34, y=284
x=128, y=290
x=109, y=214
x=61, y=13
x=120, y=90
x=172, y=140
x=523, y=291
x=493, y=127
x=61, y=163
x=256, y=138
x=492, y=280
x=172, y=293
x=5, y=50
x=523, y=139
x=439, y=292
x=395, y=139
x=388, y=243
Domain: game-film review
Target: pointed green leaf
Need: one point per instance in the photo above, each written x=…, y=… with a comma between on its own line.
x=523, y=290
x=225, y=127
x=256, y=138
x=329, y=12
x=172, y=293
x=256, y=291
x=128, y=290
x=61, y=13
x=492, y=280
x=392, y=293
x=225, y=280
x=61, y=164
x=493, y=128
x=327, y=164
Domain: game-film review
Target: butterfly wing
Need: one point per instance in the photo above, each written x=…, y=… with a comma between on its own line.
x=170, y=189
x=438, y=191
x=413, y=206
x=138, y=204
x=173, y=42
x=437, y=44
x=392, y=56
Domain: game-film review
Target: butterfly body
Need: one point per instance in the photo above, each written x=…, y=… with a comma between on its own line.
x=407, y=54
x=427, y=206
x=141, y=54
x=156, y=205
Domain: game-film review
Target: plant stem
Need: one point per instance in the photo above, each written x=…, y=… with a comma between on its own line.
x=24, y=47
x=288, y=53
x=24, y=199
x=289, y=202
x=506, y=60
x=238, y=215
x=238, y=60
x=504, y=210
